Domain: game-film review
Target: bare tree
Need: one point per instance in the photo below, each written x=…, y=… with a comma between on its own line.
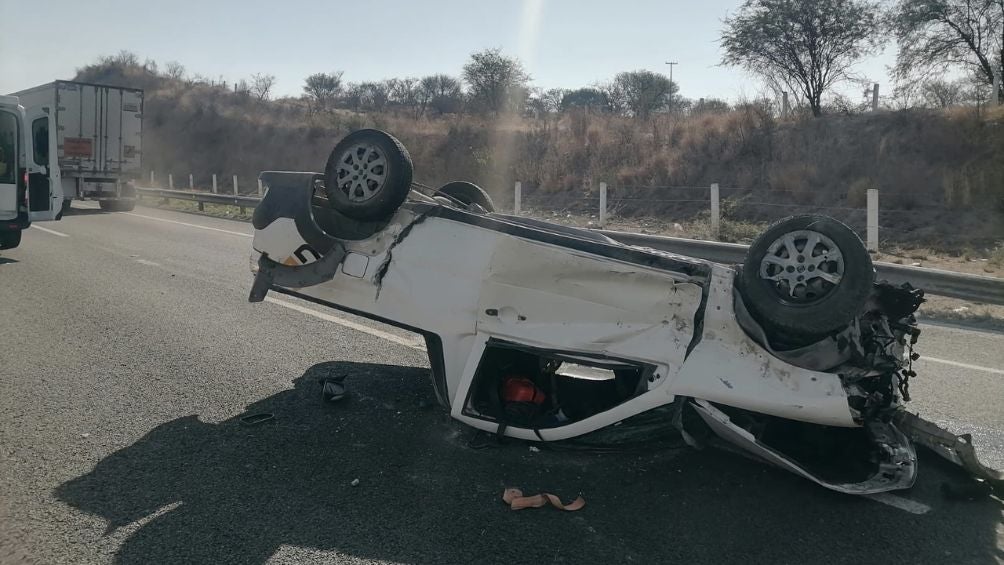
x=174, y=70
x=938, y=93
x=805, y=46
x=497, y=82
x=261, y=86
x=321, y=89
x=935, y=34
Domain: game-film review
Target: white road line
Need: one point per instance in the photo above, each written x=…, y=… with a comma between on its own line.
x=905, y=504
x=412, y=343
x=148, y=263
x=962, y=365
x=47, y=230
x=187, y=224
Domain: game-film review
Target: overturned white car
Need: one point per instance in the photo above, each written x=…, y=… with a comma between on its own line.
x=544, y=332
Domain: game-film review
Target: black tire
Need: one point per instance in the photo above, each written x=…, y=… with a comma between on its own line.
x=816, y=306
x=10, y=239
x=125, y=205
x=117, y=205
x=468, y=193
x=67, y=203
x=347, y=181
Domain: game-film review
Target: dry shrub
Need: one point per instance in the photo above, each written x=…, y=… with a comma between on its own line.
x=857, y=192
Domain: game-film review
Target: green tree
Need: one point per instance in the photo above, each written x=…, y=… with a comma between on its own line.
x=804, y=46
x=322, y=88
x=497, y=82
x=935, y=34
x=587, y=98
x=639, y=93
x=442, y=93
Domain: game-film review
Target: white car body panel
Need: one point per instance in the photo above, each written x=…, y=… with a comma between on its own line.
x=549, y=297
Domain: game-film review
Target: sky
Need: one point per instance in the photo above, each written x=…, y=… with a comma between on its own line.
x=562, y=43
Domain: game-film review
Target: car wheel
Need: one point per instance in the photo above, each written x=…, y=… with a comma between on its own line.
x=124, y=205
x=10, y=239
x=807, y=276
x=468, y=193
x=368, y=175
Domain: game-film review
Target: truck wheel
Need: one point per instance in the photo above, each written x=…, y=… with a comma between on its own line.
x=468, y=193
x=368, y=175
x=10, y=239
x=807, y=276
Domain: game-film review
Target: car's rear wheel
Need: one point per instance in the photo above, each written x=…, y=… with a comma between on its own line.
x=468, y=194
x=807, y=276
x=368, y=175
x=10, y=239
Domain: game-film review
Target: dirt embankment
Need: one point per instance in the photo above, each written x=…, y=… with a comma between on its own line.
x=940, y=173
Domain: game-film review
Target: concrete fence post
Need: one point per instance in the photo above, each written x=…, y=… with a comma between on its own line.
x=873, y=216
x=603, y=204
x=170, y=181
x=151, y=178
x=517, y=198
x=260, y=189
x=715, y=211
x=235, y=185
x=191, y=182
x=996, y=98
x=214, y=183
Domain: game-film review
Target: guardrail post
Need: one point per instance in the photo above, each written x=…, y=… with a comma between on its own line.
x=170, y=181
x=872, y=230
x=151, y=178
x=260, y=189
x=715, y=211
x=603, y=204
x=191, y=182
x=214, y=183
x=235, y=185
x=517, y=197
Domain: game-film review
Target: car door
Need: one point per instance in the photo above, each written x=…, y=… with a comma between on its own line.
x=45, y=193
x=10, y=149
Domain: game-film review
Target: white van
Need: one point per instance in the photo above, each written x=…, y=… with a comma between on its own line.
x=25, y=191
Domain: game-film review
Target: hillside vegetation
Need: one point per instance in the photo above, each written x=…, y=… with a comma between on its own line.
x=940, y=172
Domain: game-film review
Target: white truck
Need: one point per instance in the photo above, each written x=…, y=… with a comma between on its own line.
x=86, y=140
x=17, y=166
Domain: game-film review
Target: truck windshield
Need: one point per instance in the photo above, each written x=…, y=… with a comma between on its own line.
x=8, y=148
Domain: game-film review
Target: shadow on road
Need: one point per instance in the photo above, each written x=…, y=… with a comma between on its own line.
x=84, y=211
x=232, y=493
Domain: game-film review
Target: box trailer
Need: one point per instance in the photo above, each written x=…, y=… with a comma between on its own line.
x=88, y=139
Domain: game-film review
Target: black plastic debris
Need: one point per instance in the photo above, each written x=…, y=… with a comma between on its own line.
x=333, y=388
x=259, y=418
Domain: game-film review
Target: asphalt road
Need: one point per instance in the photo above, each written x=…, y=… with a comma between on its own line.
x=128, y=354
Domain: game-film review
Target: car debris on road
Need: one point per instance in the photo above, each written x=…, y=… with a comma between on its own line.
x=545, y=332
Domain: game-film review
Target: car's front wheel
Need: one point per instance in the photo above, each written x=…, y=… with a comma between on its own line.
x=807, y=276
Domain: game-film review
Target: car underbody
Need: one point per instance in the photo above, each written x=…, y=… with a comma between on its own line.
x=547, y=333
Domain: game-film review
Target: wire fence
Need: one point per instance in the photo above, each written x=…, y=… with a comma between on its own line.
x=739, y=214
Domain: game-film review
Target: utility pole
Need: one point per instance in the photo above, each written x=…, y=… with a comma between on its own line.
x=671, y=64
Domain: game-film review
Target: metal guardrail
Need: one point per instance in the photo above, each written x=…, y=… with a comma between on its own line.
x=200, y=197
x=976, y=288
